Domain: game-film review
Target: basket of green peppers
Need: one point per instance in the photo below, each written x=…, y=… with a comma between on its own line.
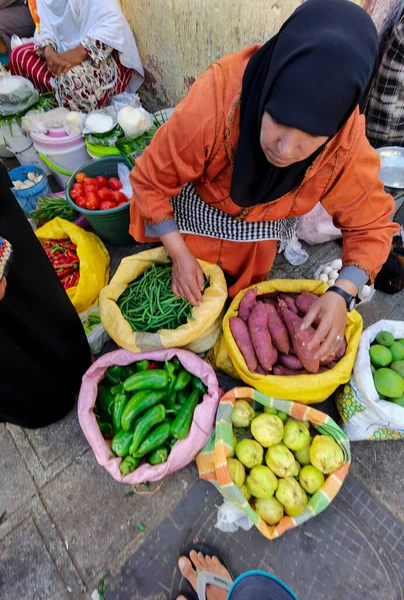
x=148, y=415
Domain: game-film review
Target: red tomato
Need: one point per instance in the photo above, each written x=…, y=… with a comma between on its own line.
x=80, y=201
x=101, y=181
x=107, y=204
x=115, y=184
x=105, y=195
x=119, y=197
x=78, y=187
x=90, y=188
x=92, y=202
x=74, y=194
x=80, y=177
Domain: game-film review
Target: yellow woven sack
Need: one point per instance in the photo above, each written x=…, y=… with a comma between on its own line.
x=94, y=260
x=307, y=389
x=197, y=335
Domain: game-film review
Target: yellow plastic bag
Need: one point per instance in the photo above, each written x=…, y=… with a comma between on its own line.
x=94, y=260
x=307, y=389
x=197, y=335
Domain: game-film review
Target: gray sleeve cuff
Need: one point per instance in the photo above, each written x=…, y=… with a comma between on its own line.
x=355, y=275
x=156, y=231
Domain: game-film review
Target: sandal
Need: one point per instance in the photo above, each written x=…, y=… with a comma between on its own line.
x=204, y=577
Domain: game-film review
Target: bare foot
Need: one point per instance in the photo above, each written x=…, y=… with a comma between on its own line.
x=203, y=563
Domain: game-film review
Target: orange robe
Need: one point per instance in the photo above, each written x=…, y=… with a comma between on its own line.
x=198, y=143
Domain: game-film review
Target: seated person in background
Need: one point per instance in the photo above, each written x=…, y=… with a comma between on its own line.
x=15, y=19
x=385, y=105
x=86, y=46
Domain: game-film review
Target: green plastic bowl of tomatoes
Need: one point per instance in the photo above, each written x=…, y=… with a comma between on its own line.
x=111, y=224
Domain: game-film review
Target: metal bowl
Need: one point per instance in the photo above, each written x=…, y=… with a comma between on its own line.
x=392, y=166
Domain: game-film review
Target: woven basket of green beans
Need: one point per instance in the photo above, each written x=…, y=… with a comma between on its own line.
x=148, y=303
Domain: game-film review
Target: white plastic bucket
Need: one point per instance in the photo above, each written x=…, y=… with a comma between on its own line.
x=21, y=146
x=63, y=154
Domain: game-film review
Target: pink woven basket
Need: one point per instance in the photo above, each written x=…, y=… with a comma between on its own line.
x=184, y=451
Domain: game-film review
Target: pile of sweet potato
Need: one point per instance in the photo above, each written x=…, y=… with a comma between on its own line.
x=268, y=335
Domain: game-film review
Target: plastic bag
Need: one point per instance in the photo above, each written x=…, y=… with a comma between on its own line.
x=231, y=518
x=317, y=227
x=97, y=336
x=183, y=451
x=16, y=94
x=212, y=460
x=294, y=253
x=94, y=260
x=364, y=414
x=197, y=335
x=308, y=389
x=123, y=176
x=125, y=99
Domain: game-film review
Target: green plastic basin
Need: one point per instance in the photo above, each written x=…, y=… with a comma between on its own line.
x=111, y=225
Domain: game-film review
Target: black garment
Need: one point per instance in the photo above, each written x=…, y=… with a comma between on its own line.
x=43, y=348
x=309, y=76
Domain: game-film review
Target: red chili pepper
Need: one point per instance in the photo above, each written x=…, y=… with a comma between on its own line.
x=152, y=366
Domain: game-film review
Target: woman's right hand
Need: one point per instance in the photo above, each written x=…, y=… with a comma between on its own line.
x=3, y=285
x=187, y=275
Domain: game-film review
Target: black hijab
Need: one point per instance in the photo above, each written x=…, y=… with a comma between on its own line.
x=310, y=76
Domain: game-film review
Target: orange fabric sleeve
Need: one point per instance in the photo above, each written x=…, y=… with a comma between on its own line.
x=179, y=150
x=361, y=208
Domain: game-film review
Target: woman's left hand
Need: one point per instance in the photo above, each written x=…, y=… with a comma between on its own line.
x=331, y=310
x=71, y=58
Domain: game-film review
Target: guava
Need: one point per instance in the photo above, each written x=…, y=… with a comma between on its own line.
x=380, y=356
x=397, y=351
x=269, y=509
x=245, y=492
x=261, y=482
x=325, y=454
x=292, y=420
x=303, y=455
x=296, y=470
x=242, y=414
x=385, y=338
x=292, y=496
x=270, y=411
x=296, y=435
x=398, y=367
x=280, y=460
x=250, y=453
x=311, y=479
x=267, y=430
x=236, y=471
x=389, y=383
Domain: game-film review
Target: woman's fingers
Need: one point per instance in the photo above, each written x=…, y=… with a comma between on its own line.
x=330, y=346
x=311, y=315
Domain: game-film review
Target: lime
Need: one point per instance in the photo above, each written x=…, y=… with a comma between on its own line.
x=385, y=338
x=398, y=367
x=380, y=356
x=399, y=401
x=270, y=411
x=372, y=369
x=397, y=351
x=389, y=383
x=401, y=341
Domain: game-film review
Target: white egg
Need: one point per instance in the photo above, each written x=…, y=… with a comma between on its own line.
x=32, y=176
x=28, y=184
x=336, y=264
x=327, y=270
x=323, y=277
x=331, y=282
x=39, y=178
x=333, y=275
x=365, y=291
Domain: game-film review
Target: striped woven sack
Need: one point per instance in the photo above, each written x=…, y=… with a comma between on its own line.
x=212, y=463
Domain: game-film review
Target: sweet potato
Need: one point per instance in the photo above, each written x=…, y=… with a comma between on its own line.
x=290, y=362
x=242, y=338
x=260, y=336
x=342, y=350
x=277, y=371
x=289, y=302
x=277, y=329
x=261, y=371
x=285, y=371
x=247, y=304
x=300, y=339
x=304, y=302
x=269, y=296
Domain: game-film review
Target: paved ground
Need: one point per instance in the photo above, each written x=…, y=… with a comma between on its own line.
x=68, y=529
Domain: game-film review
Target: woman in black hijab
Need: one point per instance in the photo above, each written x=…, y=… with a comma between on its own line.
x=43, y=349
x=245, y=168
